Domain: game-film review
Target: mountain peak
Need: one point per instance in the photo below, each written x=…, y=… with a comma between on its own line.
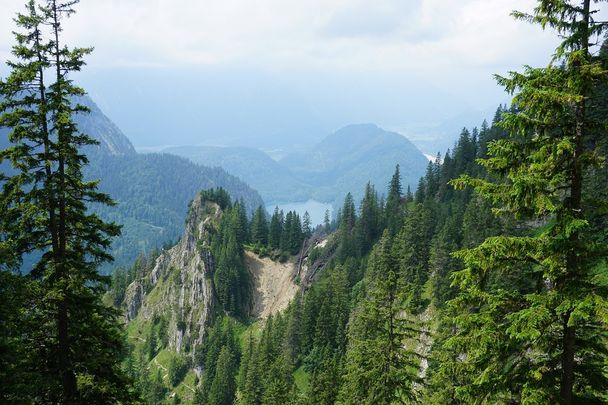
x=98, y=126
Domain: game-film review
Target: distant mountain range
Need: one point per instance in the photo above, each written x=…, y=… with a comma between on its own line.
x=152, y=190
x=342, y=162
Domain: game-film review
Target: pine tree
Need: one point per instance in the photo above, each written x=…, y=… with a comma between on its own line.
x=379, y=369
x=278, y=382
x=306, y=225
x=547, y=339
x=275, y=229
x=223, y=387
x=346, y=229
x=45, y=209
x=393, y=210
x=259, y=227
x=252, y=389
x=326, y=222
x=412, y=250
x=369, y=224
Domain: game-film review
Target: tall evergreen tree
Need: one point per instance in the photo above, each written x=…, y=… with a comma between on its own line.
x=259, y=227
x=44, y=208
x=368, y=226
x=223, y=387
x=379, y=368
x=347, y=222
x=412, y=251
x=393, y=210
x=549, y=333
x=275, y=230
x=326, y=222
x=306, y=225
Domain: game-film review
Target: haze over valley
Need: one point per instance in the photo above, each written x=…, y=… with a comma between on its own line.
x=296, y=203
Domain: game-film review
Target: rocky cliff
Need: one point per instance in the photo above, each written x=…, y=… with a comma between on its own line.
x=179, y=287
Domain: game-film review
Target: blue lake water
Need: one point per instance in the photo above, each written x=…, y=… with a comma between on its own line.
x=315, y=209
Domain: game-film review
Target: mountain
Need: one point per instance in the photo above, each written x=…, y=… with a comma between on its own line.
x=344, y=161
x=112, y=142
x=151, y=190
x=96, y=124
x=170, y=301
x=350, y=157
x=357, y=292
x=271, y=179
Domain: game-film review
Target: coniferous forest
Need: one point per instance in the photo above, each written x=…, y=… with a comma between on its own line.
x=487, y=283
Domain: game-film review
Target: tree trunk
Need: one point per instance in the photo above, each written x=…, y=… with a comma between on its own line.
x=64, y=358
x=575, y=206
x=568, y=349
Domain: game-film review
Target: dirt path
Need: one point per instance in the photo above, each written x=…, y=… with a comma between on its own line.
x=273, y=288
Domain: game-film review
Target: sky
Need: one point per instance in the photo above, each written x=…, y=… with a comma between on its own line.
x=281, y=73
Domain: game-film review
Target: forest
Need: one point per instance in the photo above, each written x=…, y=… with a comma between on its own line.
x=488, y=283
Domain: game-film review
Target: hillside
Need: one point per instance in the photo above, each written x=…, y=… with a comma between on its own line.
x=152, y=190
x=354, y=155
x=171, y=305
x=342, y=162
x=270, y=178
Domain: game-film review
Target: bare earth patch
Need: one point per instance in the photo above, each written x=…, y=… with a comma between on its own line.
x=273, y=287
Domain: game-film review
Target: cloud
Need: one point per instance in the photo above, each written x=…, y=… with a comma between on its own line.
x=358, y=19
x=349, y=34
x=448, y=49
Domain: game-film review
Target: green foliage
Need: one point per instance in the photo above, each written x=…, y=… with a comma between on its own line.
x=379, y=369
x=259, y=227
x=230, y=278
x=45, y=212
x=541, y=336
x=218, y=196
x=393, y=203
x=178, y=367
x=413, y=251
x=219, y=358
x=223, y=387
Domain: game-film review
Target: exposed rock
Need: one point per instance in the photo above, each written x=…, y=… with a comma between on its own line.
x=273, y=286
x=179, y=286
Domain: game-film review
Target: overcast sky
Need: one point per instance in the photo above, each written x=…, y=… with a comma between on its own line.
x=399, y=63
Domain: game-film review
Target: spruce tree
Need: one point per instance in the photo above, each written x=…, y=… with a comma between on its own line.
x=306, y=225
x=45, y=210
x=259, y=227
x=275, y=229
x=379, y=368
x=223, y=387
x=545, y=336
x=326, y=222
x=412, y=251
x=393, y=210
x=368, y=226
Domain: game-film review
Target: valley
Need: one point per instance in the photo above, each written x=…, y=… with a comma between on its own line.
x=297, y=265
x=342, y=162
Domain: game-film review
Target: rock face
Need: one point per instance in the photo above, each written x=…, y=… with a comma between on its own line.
x=273, y=285
x=97, y=125
x=179, y=287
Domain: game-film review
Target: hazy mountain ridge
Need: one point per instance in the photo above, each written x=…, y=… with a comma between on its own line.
x=151, y=190
x=269, y=177
x=112, y=141
x=342, y=162
x=350, y=157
